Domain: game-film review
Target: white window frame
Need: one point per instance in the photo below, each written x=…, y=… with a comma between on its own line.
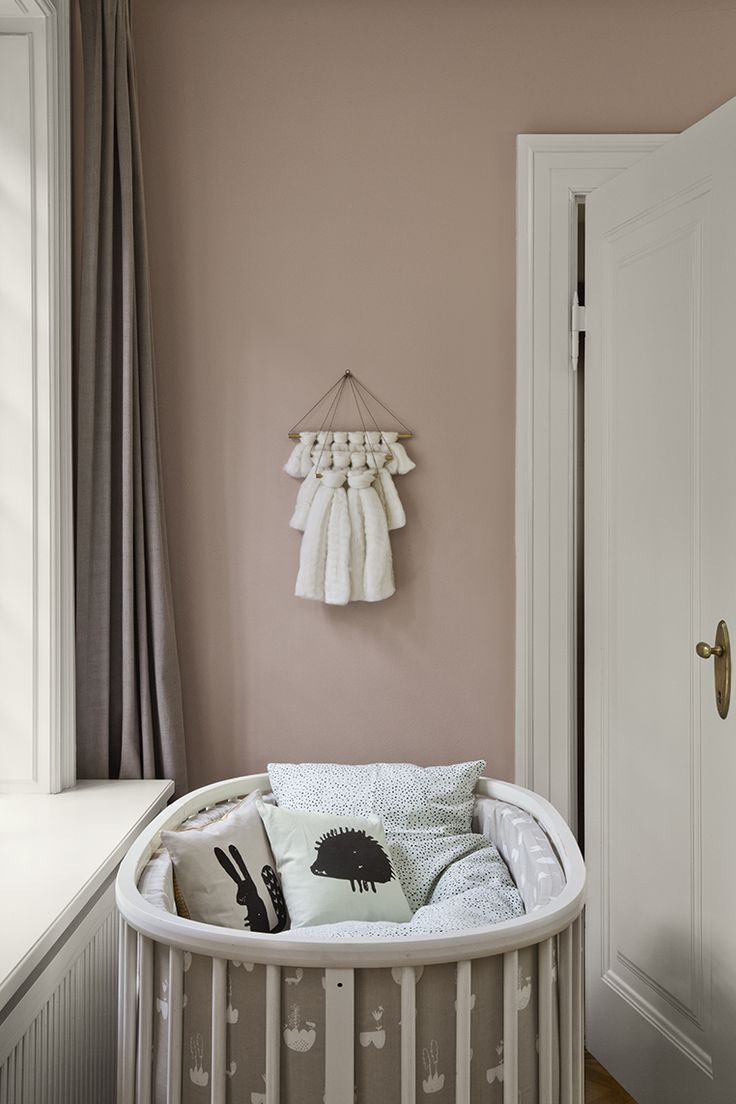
x=41, y=27
x=552, y=170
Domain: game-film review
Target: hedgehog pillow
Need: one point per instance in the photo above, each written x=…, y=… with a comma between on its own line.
x=333, y=868
x=224, y=871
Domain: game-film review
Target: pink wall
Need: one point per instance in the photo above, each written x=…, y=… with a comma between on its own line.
x=330, y=184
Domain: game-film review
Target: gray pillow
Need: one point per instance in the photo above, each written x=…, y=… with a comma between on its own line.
x=427, y=812
x=225, y=873
x=524, y=846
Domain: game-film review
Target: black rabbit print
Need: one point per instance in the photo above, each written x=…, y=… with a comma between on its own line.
x=350, y=854
x=247, y=893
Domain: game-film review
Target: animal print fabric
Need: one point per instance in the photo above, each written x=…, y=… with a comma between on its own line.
x=377, y=1041
x=224, y=870
x=524, y=847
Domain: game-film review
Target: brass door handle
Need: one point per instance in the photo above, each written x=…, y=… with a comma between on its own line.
x=721, y=652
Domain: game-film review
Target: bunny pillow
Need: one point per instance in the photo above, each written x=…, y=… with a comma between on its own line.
x=224, y=872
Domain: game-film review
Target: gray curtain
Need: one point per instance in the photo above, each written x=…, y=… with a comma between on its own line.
x=129, y=711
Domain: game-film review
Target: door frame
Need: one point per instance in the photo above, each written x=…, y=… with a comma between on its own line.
x=552, y=170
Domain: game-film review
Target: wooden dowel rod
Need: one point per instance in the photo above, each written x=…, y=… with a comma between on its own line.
x=400, y=436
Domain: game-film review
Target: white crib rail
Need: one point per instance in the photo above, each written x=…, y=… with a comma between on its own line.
x=273, y=1034
x=219, y=1038
x=175, y=1025
x=145, y=1020
x=545, y=991
x=408, y=1035
x=462, y=1032
x=510, y=1028
x=292, y=950
x=127, y=1013
x=339, y=1035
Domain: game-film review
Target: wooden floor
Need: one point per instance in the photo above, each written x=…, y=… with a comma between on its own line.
x=600, y=1088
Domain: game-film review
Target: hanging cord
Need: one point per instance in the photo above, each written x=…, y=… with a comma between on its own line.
x=332, y=411
x=375, y=398
x=362, y=422
x=293, y=431
x=358, y=392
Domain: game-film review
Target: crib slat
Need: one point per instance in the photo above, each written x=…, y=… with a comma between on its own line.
x=339, y=1036
x=176, y=1011
x=145, y=1023
x=510, y=1028
x=544, y=981
x=408, y=1035
x=462, y=1033
x=121, y=1017
x=564, y=985
x=127, y=1025
x=577, y=1012
x=219, y=1049
x=273, y=1034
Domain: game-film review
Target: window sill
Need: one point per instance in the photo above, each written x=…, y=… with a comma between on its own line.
x=56, y=851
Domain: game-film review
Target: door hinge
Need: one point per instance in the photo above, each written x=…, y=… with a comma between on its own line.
x=577, y=326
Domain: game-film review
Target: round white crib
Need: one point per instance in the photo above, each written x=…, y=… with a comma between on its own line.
x=500, y=961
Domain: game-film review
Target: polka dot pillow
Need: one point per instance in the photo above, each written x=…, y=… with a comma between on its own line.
x=427, y=812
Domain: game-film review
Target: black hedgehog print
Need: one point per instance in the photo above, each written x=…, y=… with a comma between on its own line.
x=247, y=894
x=350, y=854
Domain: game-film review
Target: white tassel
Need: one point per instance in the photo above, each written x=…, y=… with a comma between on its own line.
x=309, y=439
x=356, y=481
x=378, y=575
x=323, y=560
x=337, y=566
x=375, y=462
x=395, y=516
x=322, y=456
x=400, y=463
x=307, y=491
x=356, y=439
x=294, y=464
x=373, y=579
x=375, y=458
x=310, y=582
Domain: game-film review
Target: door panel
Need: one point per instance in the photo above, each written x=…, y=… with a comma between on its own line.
x=660, y=572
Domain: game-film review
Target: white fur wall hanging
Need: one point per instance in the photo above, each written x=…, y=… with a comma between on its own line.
x=347, y=503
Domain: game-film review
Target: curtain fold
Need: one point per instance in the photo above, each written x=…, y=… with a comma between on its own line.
x=129, y=709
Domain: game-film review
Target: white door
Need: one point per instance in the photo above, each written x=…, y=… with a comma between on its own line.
x=660, y=554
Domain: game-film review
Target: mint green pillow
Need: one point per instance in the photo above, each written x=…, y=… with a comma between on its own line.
x=333, y=868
